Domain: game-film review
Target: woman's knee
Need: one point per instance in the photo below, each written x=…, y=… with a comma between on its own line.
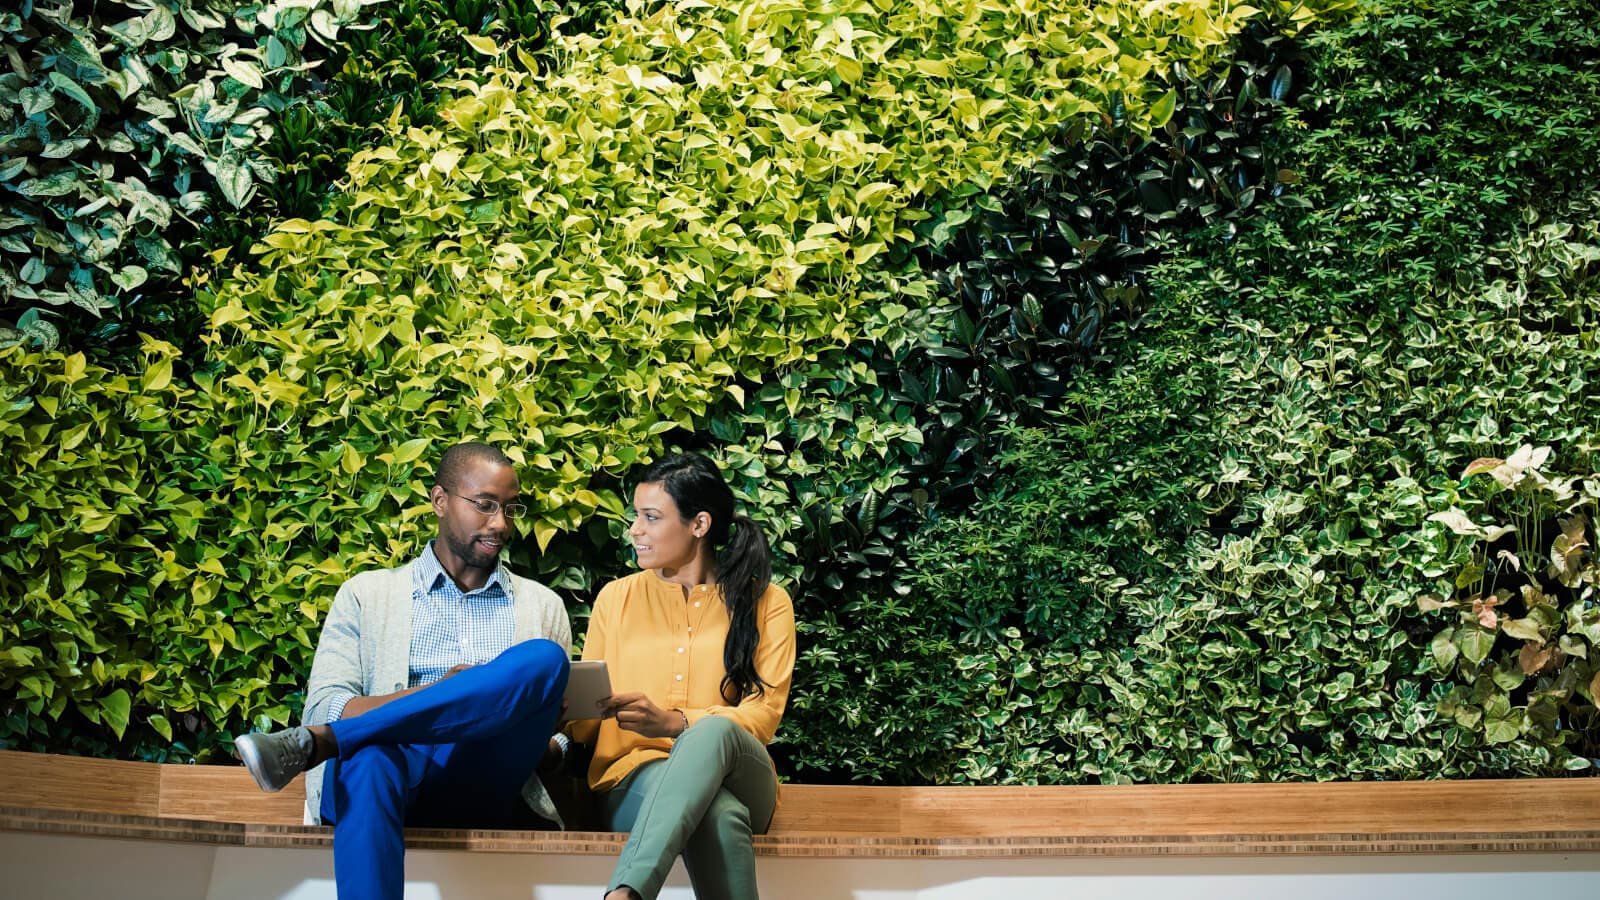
x=711, y=729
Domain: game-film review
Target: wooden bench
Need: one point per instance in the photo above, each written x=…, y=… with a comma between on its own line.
x=219, y=805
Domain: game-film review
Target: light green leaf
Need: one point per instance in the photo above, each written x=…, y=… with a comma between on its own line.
x=160, y=24
x=277, y=54
x=243, y=71
x=324, y=26
x=1522, y=629
x=34, y=271
x=74, y=90
x=42, y=334
x=410, y=450
x=1508, y=677
x=483, y=45
x=157, y=377
x=234, y=181
x=1503, y=731
x=351, y=460
x=1444, y=650
x=36, y=100
x=183, y=141
x=543, y=532
x=130, y=277
x=88, y=299
x=1475, y=643
x=64, y=149
x=1161, y=111
x=132, y=32
x=114, y=709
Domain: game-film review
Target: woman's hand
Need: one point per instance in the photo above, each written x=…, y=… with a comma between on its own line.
x=636, y=713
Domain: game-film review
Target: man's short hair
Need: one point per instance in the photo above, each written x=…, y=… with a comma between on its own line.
x=460, y=456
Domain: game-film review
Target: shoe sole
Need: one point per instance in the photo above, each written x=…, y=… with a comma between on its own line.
x=251, y=757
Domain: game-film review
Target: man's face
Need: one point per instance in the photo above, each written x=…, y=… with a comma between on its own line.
x=473, y=538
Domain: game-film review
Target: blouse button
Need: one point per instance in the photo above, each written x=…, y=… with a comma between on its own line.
x=697, y=604
x=680, y=649
x=678, y=677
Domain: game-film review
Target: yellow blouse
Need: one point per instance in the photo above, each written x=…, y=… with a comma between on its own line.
x=655, y=641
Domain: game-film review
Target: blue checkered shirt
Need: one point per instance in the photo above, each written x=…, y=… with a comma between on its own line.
x=448, y=627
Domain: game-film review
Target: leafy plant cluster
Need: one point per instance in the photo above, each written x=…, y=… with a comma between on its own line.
x=571, y=264
x=1237, y=461
x=123, y=127
x=1025, y=280
x=396, y=68
x=1533, y=598
x=146, y=139
x=1245, y=473
x=1433, y=132
x=1247, y=514
x=598, y=256
x=89, y=633
x=863, y=446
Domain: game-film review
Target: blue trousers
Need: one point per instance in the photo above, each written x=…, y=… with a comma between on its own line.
x=455, y=754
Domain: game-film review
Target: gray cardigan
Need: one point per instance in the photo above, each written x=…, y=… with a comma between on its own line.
x=365, y=649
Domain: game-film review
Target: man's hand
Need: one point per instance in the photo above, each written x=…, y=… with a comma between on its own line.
x=636, y=713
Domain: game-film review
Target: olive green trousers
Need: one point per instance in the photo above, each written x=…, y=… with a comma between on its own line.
x=703, y=802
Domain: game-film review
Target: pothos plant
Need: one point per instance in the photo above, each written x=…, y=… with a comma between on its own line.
x=122, y=124
x=1523, y=642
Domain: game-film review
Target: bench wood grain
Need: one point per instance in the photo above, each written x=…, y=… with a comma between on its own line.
x=220, y=805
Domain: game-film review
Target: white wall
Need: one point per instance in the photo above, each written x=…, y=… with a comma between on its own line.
x=42, y=866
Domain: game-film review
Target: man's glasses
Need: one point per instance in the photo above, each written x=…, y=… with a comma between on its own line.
x=489, y=507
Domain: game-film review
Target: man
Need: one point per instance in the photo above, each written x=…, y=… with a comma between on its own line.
x=434, y=691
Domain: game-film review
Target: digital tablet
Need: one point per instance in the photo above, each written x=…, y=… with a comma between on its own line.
x=588, y=683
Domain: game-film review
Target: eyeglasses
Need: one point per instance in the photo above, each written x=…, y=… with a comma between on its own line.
x=489, y=507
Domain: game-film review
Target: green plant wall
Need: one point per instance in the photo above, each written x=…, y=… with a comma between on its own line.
x=1180, y=338
x=1098, y=393
x=1242, y=478
x=689, y=202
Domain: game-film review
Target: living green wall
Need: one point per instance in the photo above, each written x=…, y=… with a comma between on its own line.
x=1203, y=560
x=571, y=262
x=1052, y=344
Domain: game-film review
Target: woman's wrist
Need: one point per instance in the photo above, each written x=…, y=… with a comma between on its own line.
x=685, y=722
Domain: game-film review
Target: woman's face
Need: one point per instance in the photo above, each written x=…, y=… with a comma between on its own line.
x=661, y=538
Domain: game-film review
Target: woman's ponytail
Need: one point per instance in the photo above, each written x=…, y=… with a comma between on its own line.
x=744, y=569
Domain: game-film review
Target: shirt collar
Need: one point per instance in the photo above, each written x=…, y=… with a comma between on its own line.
x=427, y=571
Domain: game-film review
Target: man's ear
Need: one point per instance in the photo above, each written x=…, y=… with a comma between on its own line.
x=437, y=498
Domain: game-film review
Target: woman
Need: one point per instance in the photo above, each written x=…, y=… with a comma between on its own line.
x=700, y=647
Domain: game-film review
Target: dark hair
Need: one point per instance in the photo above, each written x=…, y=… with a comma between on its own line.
x=743, y=561
x=456, y=458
